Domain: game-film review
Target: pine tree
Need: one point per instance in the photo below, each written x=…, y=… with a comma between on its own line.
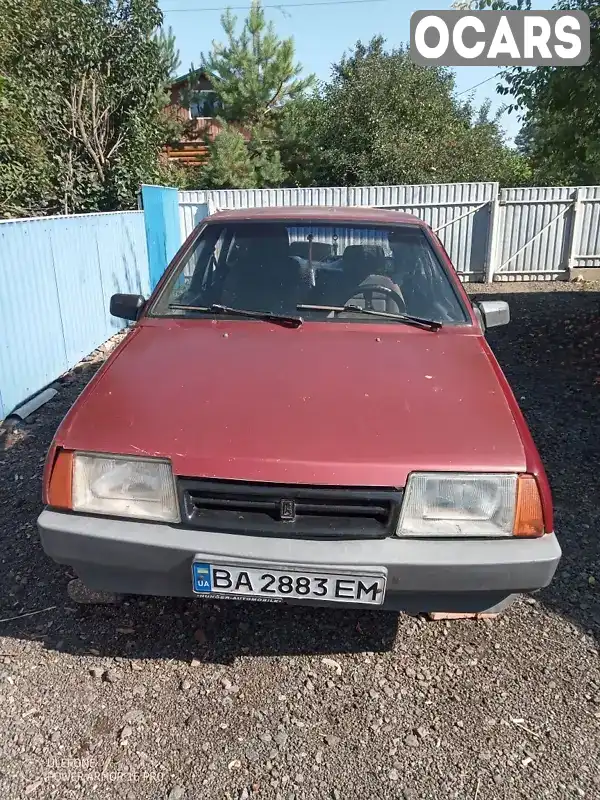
x=168, y=52
x=229, y=165
x=266, y=158
x=254, y=74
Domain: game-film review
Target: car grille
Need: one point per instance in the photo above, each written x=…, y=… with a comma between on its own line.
x=267, y=509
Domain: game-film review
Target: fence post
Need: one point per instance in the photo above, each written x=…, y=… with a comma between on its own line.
x=574, y=231
x=492, y=241
x=161, y=217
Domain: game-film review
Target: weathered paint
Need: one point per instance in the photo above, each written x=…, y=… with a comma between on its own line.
x=405, y=403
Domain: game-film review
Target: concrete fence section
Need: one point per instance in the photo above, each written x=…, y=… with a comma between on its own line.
x=57, y=275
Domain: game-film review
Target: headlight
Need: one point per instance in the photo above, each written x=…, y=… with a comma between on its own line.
x=454, y=504
x=125, y=487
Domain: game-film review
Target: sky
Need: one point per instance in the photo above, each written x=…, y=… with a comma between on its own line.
x=322, y=33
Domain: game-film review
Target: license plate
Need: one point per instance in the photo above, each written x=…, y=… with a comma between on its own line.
x=266, y=584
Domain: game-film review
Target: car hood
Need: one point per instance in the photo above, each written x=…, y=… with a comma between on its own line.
x=327, y=403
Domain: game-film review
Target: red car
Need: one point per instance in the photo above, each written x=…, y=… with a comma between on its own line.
x=306, y=410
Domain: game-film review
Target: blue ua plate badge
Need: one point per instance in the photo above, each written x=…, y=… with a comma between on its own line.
x=202, y=577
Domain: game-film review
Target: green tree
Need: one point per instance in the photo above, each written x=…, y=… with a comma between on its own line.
x=25, y=171
x=559, y=107
x=254, y=73
x=266, y=160
x=229, y=165
x=88, y=78
x=384, y=119
x=168, y=52
x=255, y=77
x=302, y=142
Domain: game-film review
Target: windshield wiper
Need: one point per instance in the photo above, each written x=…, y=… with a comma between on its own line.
x=407, y=319
x=286, y=320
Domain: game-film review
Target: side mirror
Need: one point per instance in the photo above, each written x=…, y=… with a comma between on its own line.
x=492, y=313
x=127, y=306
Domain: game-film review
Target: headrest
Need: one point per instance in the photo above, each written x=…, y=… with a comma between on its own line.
x=264, y=245
x=320, y=250
x=355, y=254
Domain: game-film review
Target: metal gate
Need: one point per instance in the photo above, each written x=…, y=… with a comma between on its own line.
x=546, y=233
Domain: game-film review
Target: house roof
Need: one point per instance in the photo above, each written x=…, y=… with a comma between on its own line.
x=185, y=78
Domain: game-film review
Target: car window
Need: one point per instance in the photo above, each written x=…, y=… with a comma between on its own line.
x=276, y=266
x=201, y=261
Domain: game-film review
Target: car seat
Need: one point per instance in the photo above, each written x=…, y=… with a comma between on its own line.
x=264, y=277
x=362, y=273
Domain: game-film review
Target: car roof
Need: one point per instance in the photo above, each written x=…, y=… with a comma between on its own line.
x=355, y=214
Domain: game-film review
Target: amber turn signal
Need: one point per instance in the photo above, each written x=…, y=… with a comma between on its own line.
x=529, y=517
x=60, y=488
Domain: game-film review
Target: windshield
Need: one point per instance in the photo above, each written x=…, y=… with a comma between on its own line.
x=277, y=266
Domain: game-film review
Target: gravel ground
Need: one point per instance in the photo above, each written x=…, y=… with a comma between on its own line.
x=176, y=699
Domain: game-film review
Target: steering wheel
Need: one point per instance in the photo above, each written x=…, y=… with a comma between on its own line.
x=374, y=288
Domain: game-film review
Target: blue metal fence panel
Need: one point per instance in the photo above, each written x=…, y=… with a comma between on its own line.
x=56, y=278
x=161, y=210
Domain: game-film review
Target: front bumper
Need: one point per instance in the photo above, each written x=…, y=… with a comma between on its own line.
x=422, y=575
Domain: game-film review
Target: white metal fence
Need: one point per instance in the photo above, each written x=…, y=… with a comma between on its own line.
x=546, y=232
x=490, y=234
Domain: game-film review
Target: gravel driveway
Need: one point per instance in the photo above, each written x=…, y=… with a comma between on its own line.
x=176, y=699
